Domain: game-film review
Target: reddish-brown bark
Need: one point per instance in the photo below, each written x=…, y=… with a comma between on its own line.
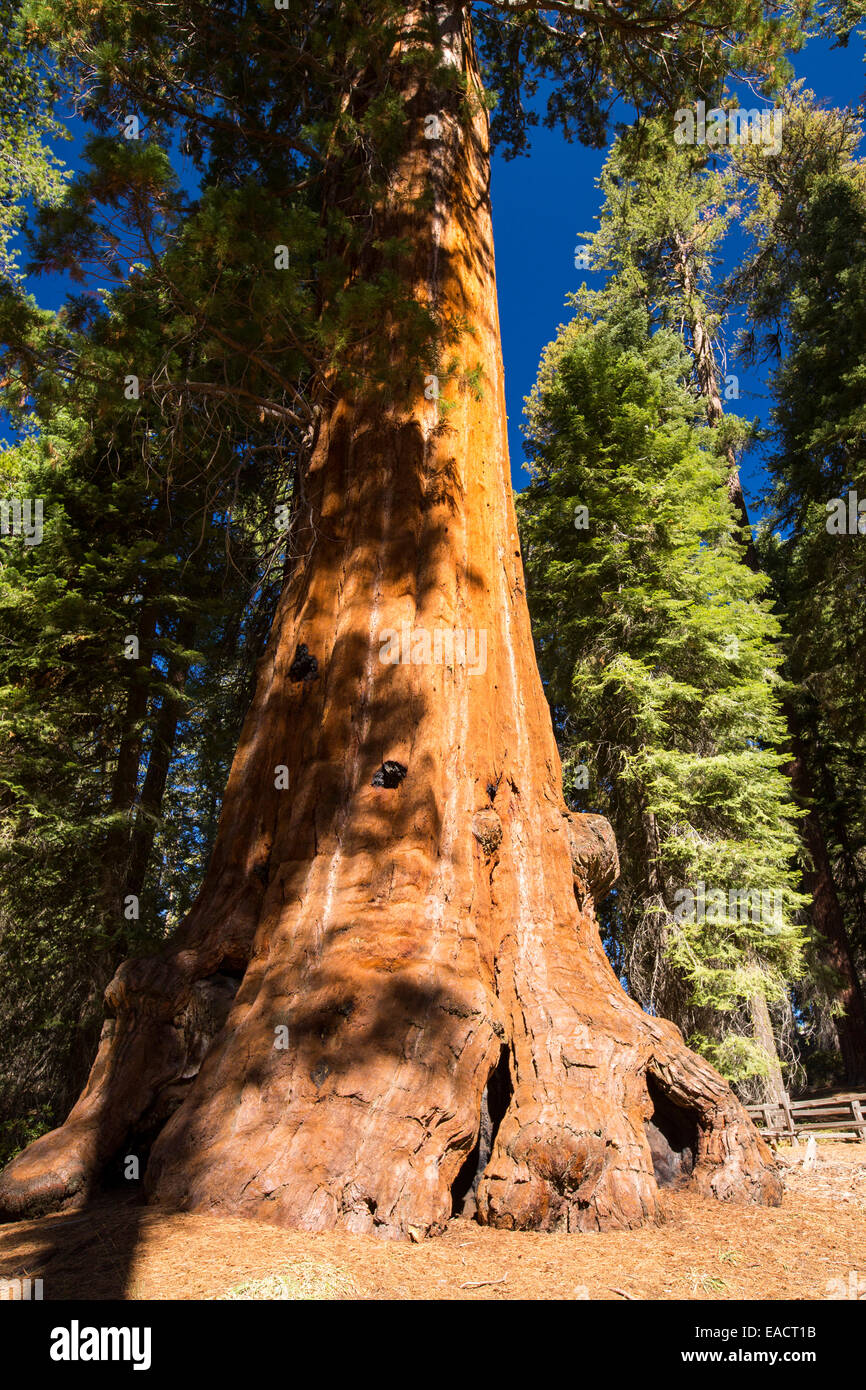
x=407, y=938
x=829, y=921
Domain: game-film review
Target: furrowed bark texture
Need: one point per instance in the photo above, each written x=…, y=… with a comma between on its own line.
x=399, y=937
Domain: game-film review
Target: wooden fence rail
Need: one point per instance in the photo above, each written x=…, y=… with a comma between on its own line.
x=789, y=1118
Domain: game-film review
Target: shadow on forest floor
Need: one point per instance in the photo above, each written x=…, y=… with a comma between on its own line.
x=121, y=1249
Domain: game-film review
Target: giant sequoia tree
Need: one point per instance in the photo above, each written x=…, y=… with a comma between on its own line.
x=395, y=949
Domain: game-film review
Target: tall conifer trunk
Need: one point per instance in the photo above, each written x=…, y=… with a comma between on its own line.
x=412, y=918
x=829, y=921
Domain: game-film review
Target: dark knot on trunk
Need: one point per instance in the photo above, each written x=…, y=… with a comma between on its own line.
x=304, y=666
x=390, y=774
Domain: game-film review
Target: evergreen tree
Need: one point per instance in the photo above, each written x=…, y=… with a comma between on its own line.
x=132, y=621
x=30, y=168
x=664, y=221
x=660, y=659
x=123, y=639
x=803, y=281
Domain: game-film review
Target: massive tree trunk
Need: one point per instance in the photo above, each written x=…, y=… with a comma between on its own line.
x=412, y=919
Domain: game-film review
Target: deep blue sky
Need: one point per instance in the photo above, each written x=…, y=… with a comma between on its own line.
x=541, y=204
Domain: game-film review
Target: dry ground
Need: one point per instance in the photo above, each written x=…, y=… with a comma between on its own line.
x=120, y=1249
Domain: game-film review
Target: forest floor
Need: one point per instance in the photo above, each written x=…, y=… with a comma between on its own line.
x=812, y=1247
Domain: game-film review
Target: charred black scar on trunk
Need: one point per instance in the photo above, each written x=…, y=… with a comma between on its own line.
x=304, y=666
x=390, y=775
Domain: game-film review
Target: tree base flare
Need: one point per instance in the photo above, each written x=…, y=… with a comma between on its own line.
x=371, y=1132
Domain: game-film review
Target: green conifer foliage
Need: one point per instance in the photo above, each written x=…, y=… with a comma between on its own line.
x=803, y=282
x=660, y=656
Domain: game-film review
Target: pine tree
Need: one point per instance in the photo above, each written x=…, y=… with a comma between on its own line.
x=804, y=283
x=139, y=611
x=30, y=168
x=667, y=211
x=659, y=657
x=663, y=226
